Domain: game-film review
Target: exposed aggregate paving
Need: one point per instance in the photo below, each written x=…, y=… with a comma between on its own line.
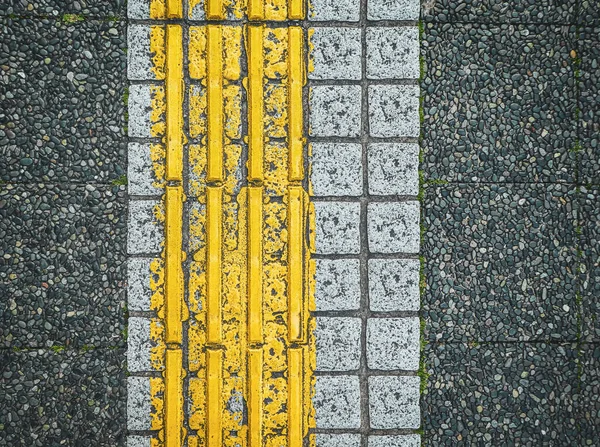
x=589, y=52
x=103, y=8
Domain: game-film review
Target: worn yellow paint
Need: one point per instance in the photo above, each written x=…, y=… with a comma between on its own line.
x=173, y=399
x=214, y=398
x=296, y=9
x=296, y=81
x=214, y=196
x=174, y=91
x=157, y=50
x=275, y=42
x=296, y=263
x=173, y=263
x=275, y=10
x=215, y=10
x=215, y=103
x=295, y=413
x=255, y=401
x=174, y=9
x=255, y=281
x=157, y=9
x=255, y=103
x=256, y=10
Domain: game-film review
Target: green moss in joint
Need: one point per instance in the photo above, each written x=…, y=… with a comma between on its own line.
x=72, y=18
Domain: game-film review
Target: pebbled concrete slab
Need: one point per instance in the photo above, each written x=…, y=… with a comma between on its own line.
x=589, y=97
x=96, y=8
x=589, y=278
x=589, y=403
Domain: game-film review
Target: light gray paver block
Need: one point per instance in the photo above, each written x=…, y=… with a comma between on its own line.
x=138, y=9
x=394, y=402
x=138, y=403
x=394, y=111
x=394, y=285
x=144, y=234
x=138, y=284
x=395, y=441
x=393, y=168
x=393, y=9
x=338, y=440
x=393, y=227
x=334, y=10
x=140, y=175
x=139, y=60
x=337, y=402
x=138, y=345
x=338, y=343
x=140, y=108
x=338, y=227
x=336, y=53
x=337, y=284
x=336, y=169
x=335, y=111
x=393, y=343
x=138, y=441
x=393, y=52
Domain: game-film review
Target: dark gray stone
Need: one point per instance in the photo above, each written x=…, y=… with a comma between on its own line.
x=96, y=8
x=589, y=118
x=590, y=262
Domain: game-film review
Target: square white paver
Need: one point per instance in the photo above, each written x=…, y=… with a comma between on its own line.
x=337, y=284
x=138, y=403
x=393, y=52
x=138, y=284
x=338, y=227
x=393, y=227
x=335, y=110
x=334, y=10
x=145, y=234
x=394, y=111
x=140, y=173
x=393, y=9
x=335, y=53
x=338, y=440
x=393, y=168
x=139, y=59
x=139, y=345
x=394, y=402
x=395, y=441
x=394, y=285
x=337, y=402
x=393, y=343
x=336, y=169
x=338, y=343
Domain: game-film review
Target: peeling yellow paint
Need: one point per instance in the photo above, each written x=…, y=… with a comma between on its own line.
x=158, y=9
x=275, y=10
x=157, y=51
x=275, y=45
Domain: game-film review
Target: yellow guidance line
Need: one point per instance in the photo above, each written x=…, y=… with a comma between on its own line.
x=214, y=10
x=295, y=263
x=255, y=103
x=214, y=386
x=255, y=260
x=296, y=9
x=214, y=199
x=295, y=435
x=174, y=98
x=174, y=9
x=173, y=398
x=295, y=109
x=256, y=10
x=215, y=102
x=173, y=263
x=255, y=386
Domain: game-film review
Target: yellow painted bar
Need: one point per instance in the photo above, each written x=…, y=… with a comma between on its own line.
x=295, y=109
x=255, y=103
x=255, y=407
x=256, y=10
x=295, y=263
x=214, y=199
x=215, y=102
x=174, y=93
x=173, y=398
x=255, y=260
x=295, y=413
x=296, y=9
x=173, y=263
x=214, y=10
x=174, y=9
x=214, y=386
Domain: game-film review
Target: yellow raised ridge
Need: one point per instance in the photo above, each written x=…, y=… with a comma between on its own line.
x=214, y=55
x=296, y=9
x=296, y=236
x=214, y=212
x=173, y=398
x=173, y=263
x=174, y=9
x=174, y=93
x=255, y=261
x=295, y=109
x=295, y=408
x=256, y=10
x=255, y=400
x=215, y=10
x=214, y=387
x=255, y=103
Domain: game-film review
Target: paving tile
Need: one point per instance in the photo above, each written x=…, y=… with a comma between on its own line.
x=335, y=53
x=500, y=263
x=395, y=441
x=141, y=65
x=393, y=343
x=96, y=8
x=138, y=441
x=338, y=343
x=341, y=440
x=500, y=394
x=589, y=285
x=392, y=52
x=145, y=233
x=62, y=101
x=338, y=229
x=141, y=178
x=393, y=168
x=334, y=10
x=499, y=104
x=393, y=9
x=138, y=284
x=394, y=111
x=337, y=284
x=335, y=111
x=589, y=121
x=139, y=345
x=393, y=227
x=63, y=398
x=589, y=403
x=337, y=402
x=394, y=285
x=336, y=169
x=394, y=402
x=138, y=402
x=62, y=268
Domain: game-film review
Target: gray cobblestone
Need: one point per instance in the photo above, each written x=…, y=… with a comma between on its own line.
x=393, y=168
x=138, y=345
x=336, y=10
x=144, y=233
x=138, y=284
x=393, y=52
x=393, y=343
x=335, y=111
x=394, y=111
x=338, y=343
x=138, y=403
x=338, y=229
x=338, y=284
x=139, y=61
x=393, y=9
x=140, y=177
x=336, y=53
x=337, y=402
x=394, y=402
x=336, y=169
x=395, y=441
x=394, y=285
x=393, y=227
x=341, y=440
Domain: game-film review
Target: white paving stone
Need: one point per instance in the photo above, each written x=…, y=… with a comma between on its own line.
x=334, y=10
x=393, y=343
x=338, y=227
x=393, y=168
x=138, y=403
x=140, y=175
x=394, y=285
x=335, y=111
x=338, y=343
x=394, y=111
x=138, y=9
x=140, y=108
x=395, y=441
x=394, y=402
x=393, y=52
x=393, y=9
x=138, y=441
x=336, y=169
x=139, y=60
x=337, y=402
x=138, y=345
x=393, y=227
x=144, y=233
x=335, y=53
x=338, y=440
x=338, y=284
x=138, y=284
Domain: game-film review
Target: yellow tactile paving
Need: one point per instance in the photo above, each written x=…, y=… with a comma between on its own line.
x=234, y=343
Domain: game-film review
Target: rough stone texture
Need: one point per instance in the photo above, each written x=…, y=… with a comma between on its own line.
x=140, y=175
x=343, y=440
x=138, y=345
x=500, y=263
x=138, y=403
x=336, y=10
x=393, y=168
x=62, y=100
x=394, y=111
x=393, y=227
x=337, y=284
x=95, y=8
x=62, y=398
x=393, y=343
x=336, y=169
x=138, y=284
x=589, y=283
x=140, y=109
x=392, y=52
x=139, y=59
x=589, y=14
x=589, y=121
x=478, y=80
x=61, y=265
x=501, y=394
x=393, y=9
x=336, y=53
x=338, y=229
x=338, y=343
x=394, y=285
x=394, y=402
x=395, y=441
x=138, y=441
x=144, y=232
x=337, y=402
x=589, y=401
x=335, y=111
